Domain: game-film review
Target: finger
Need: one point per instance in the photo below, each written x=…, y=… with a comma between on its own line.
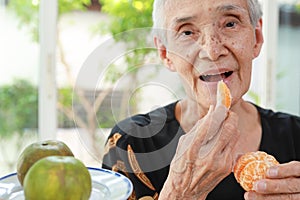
x=200, y=130
x=277, y=186
x=291, y=169
x=213, y=122
x=204, y=122
x=189, y=143
x=255, y=196
x=225, y=138
x=217, y=118
x=230, y=136
x=229, y=131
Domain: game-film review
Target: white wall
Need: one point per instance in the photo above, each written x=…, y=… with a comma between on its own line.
x=18, y=54
x=288, y=68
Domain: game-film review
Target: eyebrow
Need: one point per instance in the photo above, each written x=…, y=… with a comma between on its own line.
x=231, y=7
x=180, y=20
x=184, y=19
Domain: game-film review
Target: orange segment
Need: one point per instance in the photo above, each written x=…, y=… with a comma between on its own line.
x=252, y=167
x=223, y=95
x=242, y=162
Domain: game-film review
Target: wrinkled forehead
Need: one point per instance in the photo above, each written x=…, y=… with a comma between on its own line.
x=177, y=11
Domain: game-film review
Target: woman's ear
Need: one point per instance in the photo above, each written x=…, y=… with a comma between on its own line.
x=258, y=38
x=163, y=53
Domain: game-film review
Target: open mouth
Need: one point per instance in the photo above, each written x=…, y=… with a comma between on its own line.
x=215, y=77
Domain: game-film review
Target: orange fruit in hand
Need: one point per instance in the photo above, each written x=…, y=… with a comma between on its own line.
x=223, y=95
x=252, y=167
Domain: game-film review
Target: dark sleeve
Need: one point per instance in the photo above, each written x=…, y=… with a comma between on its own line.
x=141, y=147
x=119, y=157
x=295, y=121
x=281, y=135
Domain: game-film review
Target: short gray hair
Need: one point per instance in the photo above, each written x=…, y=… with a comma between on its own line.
x=159, y=17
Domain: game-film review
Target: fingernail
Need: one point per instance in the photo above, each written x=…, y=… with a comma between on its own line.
x=250, y=196
x=272, y=172
x=260, y=186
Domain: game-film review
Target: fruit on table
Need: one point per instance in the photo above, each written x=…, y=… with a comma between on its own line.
x=59, y=178
x=38, y=150
x=252, y=167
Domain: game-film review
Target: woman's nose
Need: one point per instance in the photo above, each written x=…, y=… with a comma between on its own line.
x=211, y=44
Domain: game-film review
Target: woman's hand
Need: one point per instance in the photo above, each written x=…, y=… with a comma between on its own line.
x=204, y=156
x=282, y=183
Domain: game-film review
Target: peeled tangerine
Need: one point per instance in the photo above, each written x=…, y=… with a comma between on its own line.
x=252, y=167
x=223, y=95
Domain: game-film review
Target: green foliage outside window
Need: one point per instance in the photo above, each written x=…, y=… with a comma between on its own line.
x=18, y=108
x=126, y=17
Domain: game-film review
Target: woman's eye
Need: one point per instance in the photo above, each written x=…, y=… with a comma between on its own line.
x=230, y=24
x=187, y=33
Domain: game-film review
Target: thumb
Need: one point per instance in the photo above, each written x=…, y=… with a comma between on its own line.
x=215, y=121
x=217, y=118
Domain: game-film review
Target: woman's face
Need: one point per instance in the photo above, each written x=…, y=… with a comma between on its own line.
x=209, y=41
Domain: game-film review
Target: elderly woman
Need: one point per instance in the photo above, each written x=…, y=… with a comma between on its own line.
x=187, y=150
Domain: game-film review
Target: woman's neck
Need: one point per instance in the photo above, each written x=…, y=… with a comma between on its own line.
x=188, y=112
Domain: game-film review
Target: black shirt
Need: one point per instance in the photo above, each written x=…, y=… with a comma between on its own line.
x=142, y=147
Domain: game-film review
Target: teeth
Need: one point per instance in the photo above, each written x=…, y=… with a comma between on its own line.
x=216, y=74
x=215, y=77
